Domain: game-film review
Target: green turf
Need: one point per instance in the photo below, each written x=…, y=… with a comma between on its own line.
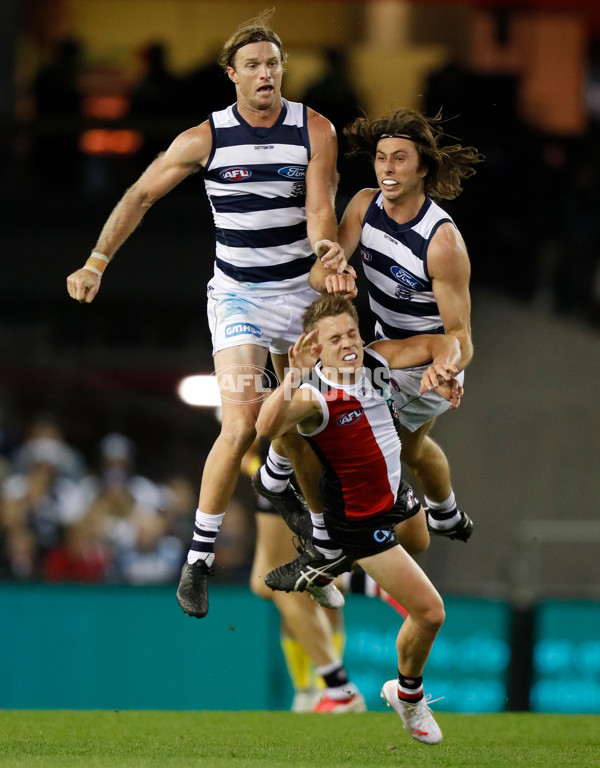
x=280, y=739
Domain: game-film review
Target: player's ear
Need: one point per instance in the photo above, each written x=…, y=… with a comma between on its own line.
x=232, y=74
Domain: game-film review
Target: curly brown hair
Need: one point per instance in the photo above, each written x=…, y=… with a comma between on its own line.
x=254, y=30
x=327, y=305
x=447, y=165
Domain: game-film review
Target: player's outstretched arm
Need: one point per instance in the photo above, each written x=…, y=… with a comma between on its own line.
x=442, y=349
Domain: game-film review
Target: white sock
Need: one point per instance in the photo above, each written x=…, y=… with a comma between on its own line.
x=275, y=473
x=203, y=540
x=320, y=537
x=443, y=515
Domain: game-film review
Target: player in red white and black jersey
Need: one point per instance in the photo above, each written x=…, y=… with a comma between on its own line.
x=355, y=486
x=337, y=394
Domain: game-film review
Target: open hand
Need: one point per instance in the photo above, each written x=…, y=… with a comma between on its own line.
x=331, y=254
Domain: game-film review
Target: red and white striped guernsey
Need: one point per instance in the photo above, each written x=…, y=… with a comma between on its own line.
x=357, y=440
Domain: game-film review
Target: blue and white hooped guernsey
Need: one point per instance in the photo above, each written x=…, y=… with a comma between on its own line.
x=255, y=179
x=394, y=258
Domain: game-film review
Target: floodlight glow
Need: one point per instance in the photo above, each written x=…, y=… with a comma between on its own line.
x=200, y=390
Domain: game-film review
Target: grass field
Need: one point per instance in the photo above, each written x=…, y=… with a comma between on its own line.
x=99, y=739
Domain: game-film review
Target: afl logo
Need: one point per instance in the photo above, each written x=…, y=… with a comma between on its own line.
x=350, y=417
x=365, y=255
x=292, y=172
x=404, y=277
x=235, y=174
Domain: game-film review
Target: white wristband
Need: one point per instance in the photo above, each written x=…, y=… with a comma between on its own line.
x=100, y=256
x=93, y=269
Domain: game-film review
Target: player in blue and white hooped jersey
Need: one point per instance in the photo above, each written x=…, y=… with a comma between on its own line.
x=417, y=271
x=270, y=176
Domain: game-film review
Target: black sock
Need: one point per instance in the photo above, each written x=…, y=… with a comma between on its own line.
x=336, y=677
x=410, y=689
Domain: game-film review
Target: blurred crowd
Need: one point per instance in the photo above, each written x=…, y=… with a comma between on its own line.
x=62, y=522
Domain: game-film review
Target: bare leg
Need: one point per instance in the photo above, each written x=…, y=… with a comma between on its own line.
x=412, y=534
x=398, y=574
x=239, y=413
x=427, y=462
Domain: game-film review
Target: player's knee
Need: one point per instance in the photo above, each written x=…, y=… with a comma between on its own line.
x=419, y=543
x=415, y=542
x=431, y=618
x=239, y=433
x=435, y=616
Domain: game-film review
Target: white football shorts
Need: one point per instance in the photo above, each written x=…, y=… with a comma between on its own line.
x=415, y=409
x=239, y=318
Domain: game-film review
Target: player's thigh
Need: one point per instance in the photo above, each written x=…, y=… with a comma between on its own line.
x=238, y=372
x=399, y=575
x=412, y=534
x=412, y=442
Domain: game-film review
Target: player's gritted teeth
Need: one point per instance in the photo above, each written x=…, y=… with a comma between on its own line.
x=389, y=183
x=349, y=357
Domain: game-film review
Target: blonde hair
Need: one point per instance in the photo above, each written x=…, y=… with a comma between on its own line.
x=254, y=30
x=327, y=305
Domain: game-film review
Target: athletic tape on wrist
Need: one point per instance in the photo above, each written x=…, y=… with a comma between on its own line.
x=93, y=269
x=101, y=256
x=97, y=263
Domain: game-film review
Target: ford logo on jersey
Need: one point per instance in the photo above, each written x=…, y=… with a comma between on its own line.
x=404, y=277
x=235, y=174
x=235, y=329
x=349, y=417
x=292, y=172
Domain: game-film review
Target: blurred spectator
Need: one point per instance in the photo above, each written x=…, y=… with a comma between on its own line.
x=155, y=93
x=67, y=460
x=333, y=94
x=118, y=496
x=18, y=554
x=57, y=98
x=81, y=556
x=56, y=85
x=39, y=498
x=153, y=558
x=155, y=102
x=204, y=90
x=180, y=501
